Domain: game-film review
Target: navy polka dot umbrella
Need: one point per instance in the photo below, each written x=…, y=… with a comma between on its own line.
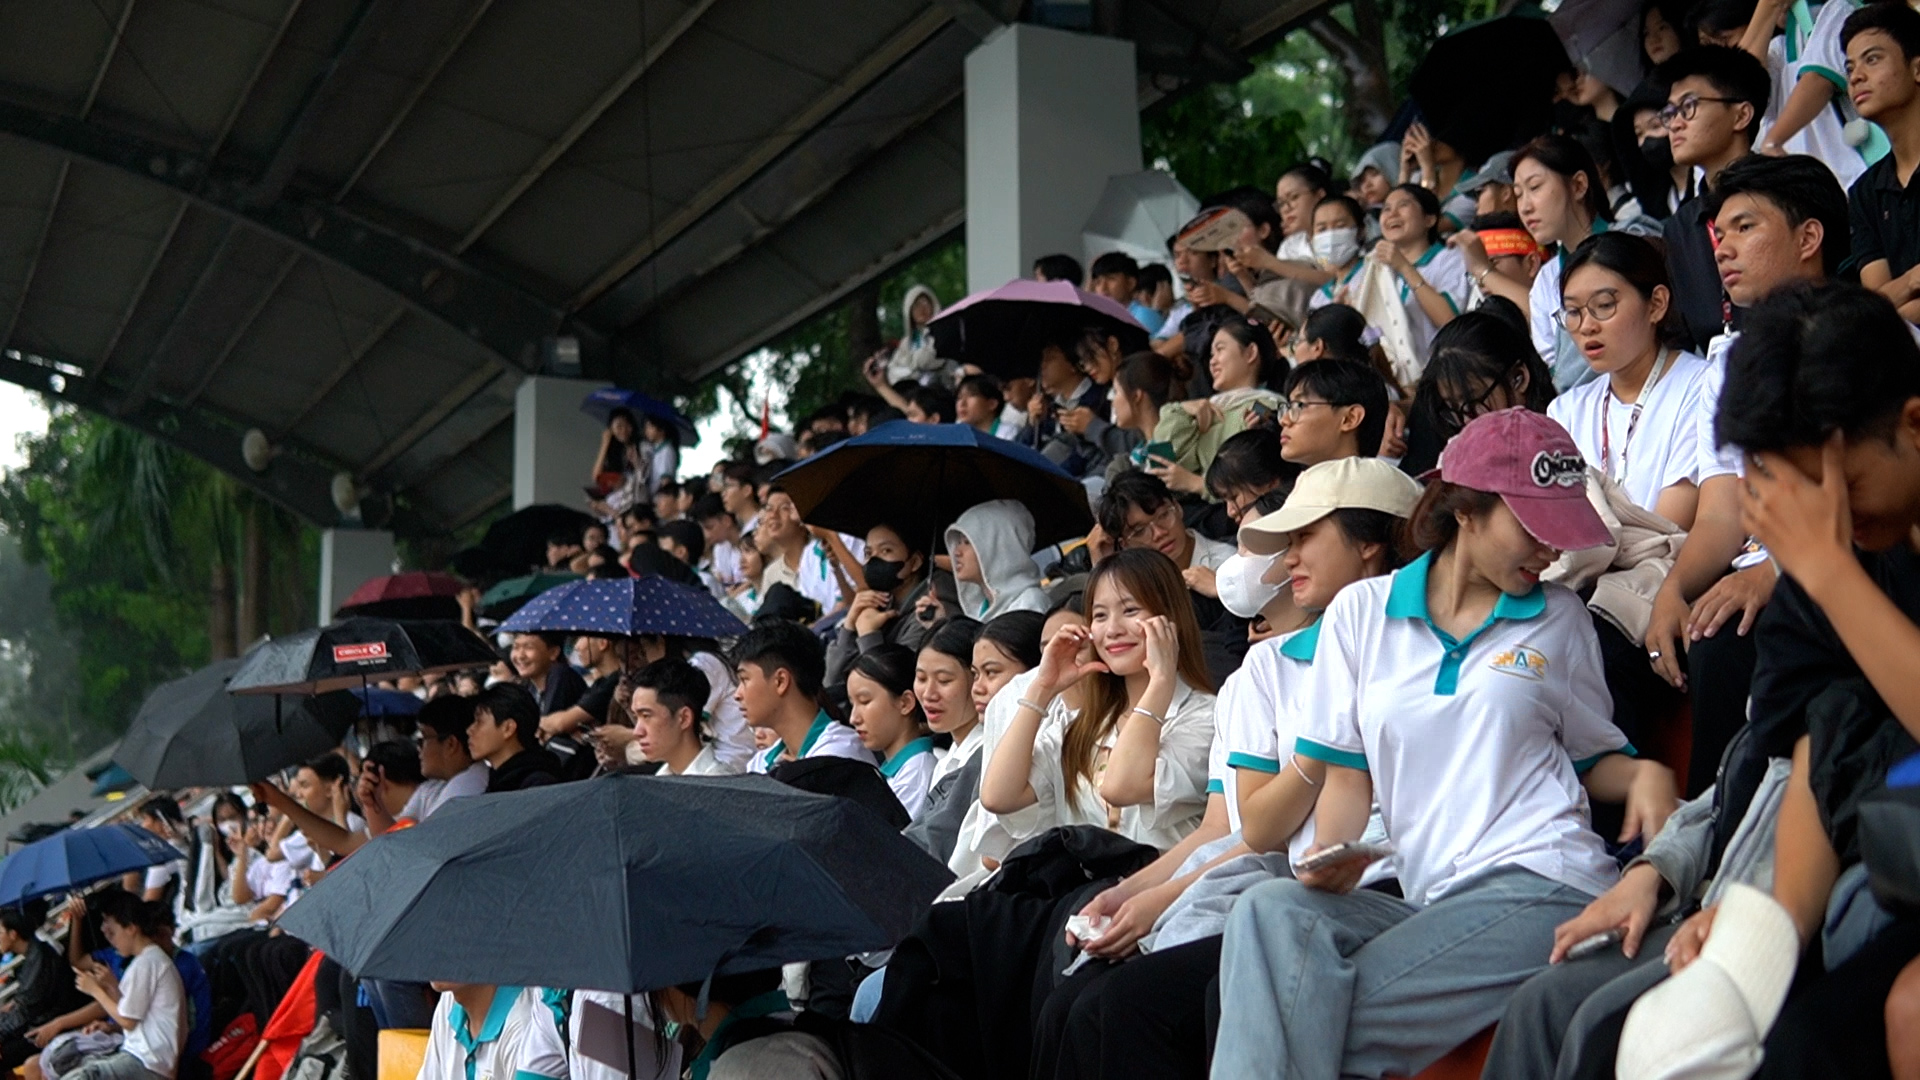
x=625, y=608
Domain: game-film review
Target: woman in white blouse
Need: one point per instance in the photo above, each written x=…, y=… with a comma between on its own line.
x=1637, y=422
x=1139, y=743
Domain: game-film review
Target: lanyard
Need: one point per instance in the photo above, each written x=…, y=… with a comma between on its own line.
x=1633, y=419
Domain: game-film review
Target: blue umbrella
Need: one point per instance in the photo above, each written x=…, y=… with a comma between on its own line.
x=601, y=403
x=377, y=701
x=625, y=607
x=919, y=477
x=75, y=858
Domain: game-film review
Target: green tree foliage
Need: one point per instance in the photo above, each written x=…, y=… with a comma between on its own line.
x=141, y=546
x=1217, y=137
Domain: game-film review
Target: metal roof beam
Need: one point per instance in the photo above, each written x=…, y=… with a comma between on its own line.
x=448, y=403
x=356, y=37
x=240, y=328
x=504, y=319
x=890, y=52
x=296, y=480
x=347, y=363
x=39, y=246
x=584, y=122
x=140, y=288
x=420, y=88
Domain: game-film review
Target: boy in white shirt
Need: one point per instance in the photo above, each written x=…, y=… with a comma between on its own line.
x=485, y=1032
x=781, y=667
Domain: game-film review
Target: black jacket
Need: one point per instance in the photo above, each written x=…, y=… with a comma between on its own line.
x=526, y=769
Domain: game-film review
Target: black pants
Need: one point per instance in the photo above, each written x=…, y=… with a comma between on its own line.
x=1642, y=700
x=1835, y=1023
x=1720, y=677
x=1144, y=1017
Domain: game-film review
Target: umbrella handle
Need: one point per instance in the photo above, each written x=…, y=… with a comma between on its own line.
x=633, y=1057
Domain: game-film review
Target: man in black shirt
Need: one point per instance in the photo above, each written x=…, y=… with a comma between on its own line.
x=500, y=714
x=537, y=660
x=1883, y=78
x=1716, y=98
x=1823, y=395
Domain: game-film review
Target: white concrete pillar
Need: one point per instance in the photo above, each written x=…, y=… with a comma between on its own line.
x=553, y=441
x=1050, y=116
x=348, y=559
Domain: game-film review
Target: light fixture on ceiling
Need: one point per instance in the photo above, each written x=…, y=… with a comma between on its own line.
x=257, y=450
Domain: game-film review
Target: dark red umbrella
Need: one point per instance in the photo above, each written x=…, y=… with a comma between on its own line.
x=416, y=594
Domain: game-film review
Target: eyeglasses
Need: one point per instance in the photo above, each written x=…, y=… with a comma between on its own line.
x=1292, y=410
x=1167, y=517
x=1603, y=305
x=1460, y=414
x=1686, y=107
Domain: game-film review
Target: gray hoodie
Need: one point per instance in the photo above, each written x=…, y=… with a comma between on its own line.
x=1001, y=533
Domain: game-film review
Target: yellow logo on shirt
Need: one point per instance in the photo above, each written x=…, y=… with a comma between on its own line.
x=1523, y=661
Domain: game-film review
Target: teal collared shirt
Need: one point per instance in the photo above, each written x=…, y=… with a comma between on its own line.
x=766, y=1004
x=820, y=722
x=907, y=753
x=504, y=998
x=1407, y=599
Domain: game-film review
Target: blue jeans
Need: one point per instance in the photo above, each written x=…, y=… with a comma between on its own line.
x=1318, y=985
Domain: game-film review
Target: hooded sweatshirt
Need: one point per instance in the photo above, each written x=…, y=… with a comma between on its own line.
x=1001, y=533
x=914, y=357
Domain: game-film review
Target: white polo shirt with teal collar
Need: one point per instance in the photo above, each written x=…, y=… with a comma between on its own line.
x=825, y=738
x=909, y=774
x=1261, y=703
x=518, y=1040
x=1475, y=746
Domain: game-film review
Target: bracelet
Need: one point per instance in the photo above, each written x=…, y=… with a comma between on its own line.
x=1035, y=706
x=1294, y=760
x=1160, y=720
x=1480, y=278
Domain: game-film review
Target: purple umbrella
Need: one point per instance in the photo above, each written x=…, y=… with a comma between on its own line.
x=1002, y=331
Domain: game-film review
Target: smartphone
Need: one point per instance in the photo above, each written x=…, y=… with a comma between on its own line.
x=1340, y=853
x=1159, y=450
x=1596, y=944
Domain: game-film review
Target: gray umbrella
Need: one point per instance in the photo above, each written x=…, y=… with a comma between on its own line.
x=622, y=883
x=192, y=733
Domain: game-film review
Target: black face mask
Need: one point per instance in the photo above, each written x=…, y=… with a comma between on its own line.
x=1658, y=152
x=883, y=576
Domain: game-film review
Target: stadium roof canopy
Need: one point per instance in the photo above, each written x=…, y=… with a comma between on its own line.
x=357, y=224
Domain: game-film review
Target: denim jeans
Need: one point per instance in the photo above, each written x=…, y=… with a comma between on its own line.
x=1318, y=985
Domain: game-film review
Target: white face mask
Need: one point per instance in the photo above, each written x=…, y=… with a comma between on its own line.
x=1241, y=582
x=1336, y=247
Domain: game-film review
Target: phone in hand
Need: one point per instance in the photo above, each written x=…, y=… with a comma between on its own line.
x=1597, y=943
x=1340, y=853
x=1159, y=450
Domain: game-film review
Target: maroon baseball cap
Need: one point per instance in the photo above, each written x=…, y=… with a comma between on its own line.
x=1533, y=465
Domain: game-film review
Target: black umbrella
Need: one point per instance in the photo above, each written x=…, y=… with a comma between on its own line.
x=1488, y=86
x=353, y=652
x=622, y=883
x=192, y=733
x=518, y=542
x=1003, y=331
x=919, y=477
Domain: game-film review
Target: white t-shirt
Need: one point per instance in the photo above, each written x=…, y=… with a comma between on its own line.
x=1446, y=270
x=152, y=996
x=1209, y=553
x=267, y=878
x=1711, y=460
x=824, y=739
x=518, y=1038
x=431, y=795
x=815, y=578
x=724, y=560
x=732, y=739
x=1474, y=747
x=1661, y=449
x=300, y=852
x=910, y=773
x=1814, y=50
x=703, y=764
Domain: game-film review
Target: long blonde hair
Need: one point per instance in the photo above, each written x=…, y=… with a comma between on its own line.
x=1155, y=582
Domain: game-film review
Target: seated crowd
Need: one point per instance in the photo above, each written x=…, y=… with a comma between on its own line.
x=1447, y=507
